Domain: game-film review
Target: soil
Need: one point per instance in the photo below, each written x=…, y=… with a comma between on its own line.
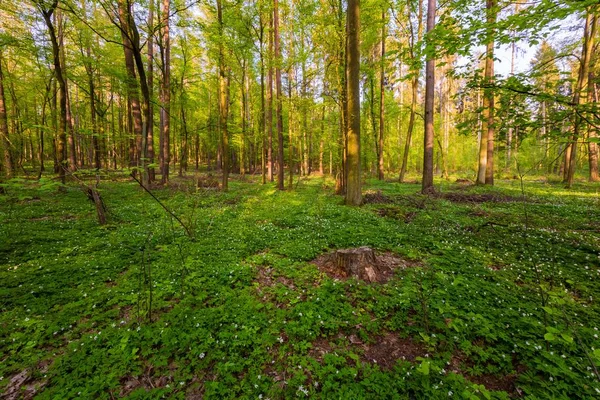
x=385, y=350
x=389, y=348
x=458, y=197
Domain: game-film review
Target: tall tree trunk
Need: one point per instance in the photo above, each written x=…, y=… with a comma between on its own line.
x=150, y=122
x=135, y=114
x=269, y=112
x=165, y=111
x=60, y=22
x=380, y=173
x=485, y=172
x=353, y=187
x=263, y=110
x=223, y=103
x=321, y=142
x=593, y=133
x=61, y=145
x=279, y=96
x=582, y=83
x=89, y=68
x=427, y=183
x=244, y=117
x=414, y=87
x=8, y=161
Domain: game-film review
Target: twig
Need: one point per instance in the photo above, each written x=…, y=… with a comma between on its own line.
x=187, y=231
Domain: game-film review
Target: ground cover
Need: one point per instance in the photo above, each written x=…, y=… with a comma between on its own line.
x=494, y=296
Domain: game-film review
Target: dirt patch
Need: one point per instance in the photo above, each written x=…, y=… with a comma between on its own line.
x=458, y=197
x=267, y=277
x=397, y=213
x=376, y=197
x=149, y=380
x=389, y=348
x=385, y=350
x=464, y=181
x=23, y=385
x=385, y=264
x=39, y=219
x=506, y=383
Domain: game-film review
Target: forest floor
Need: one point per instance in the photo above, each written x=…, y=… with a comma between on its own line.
x=494, y=293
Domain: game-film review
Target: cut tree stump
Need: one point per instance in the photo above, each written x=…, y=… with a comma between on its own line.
x=360, y=262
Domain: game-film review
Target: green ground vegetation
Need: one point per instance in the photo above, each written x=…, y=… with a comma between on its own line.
x=499, y=298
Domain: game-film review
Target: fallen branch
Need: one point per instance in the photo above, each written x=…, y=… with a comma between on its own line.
x=187, y=231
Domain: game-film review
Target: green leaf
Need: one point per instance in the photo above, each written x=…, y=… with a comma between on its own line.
x=566, y=337
x=549, y=337
x=424, y=367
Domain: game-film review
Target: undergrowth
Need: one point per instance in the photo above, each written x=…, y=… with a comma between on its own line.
x=495, y=308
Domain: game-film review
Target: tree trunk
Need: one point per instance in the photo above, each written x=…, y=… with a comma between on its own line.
x=414, y=89
x=380, y=173
x=8, y=161
x=582, y=83
x=135, y=114
x=223, y=104
x=269, y=106
x=263, y=111
x=61, y=145
x=150, y=122
x=279, y=99
x=593, y=134
x=427, y=183
x=165, y=111
x=485, y=173
x=353, y=184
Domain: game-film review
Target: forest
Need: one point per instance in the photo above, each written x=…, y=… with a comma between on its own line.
x=282, y=199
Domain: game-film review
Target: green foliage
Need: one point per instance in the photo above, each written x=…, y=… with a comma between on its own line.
x=240, y=312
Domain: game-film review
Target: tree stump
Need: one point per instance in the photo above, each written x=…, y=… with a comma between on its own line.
x=360, y=262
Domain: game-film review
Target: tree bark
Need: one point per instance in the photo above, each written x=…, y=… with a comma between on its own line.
x=8, y=161
x=223, y=103
x=427, y=183
x=279, y=99
x=414, y=88
x=485, y=173
x=593, y=134
x=380, y=173
x=150, y=122
x=165, y=111
x=61, y=145
x=582, y=83
x=353, y=184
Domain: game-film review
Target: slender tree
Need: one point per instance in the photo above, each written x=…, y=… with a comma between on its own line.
x=8, y=162
x=579, y=96
x=47, y=10
x=223, y=101
x=353, y=185
x=427, y=183
x=279, y=96
x=165, y=93
x=380, y=173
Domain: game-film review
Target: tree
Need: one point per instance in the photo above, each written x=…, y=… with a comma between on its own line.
x=278, y=96
x=223, y=101
x=47, y=11
x=8, y=162
x=579, y=97
x=380, y=173
x=353, y=184
x=427, y=183
x=165, y=94
x=414, y=54
x=485, y=173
